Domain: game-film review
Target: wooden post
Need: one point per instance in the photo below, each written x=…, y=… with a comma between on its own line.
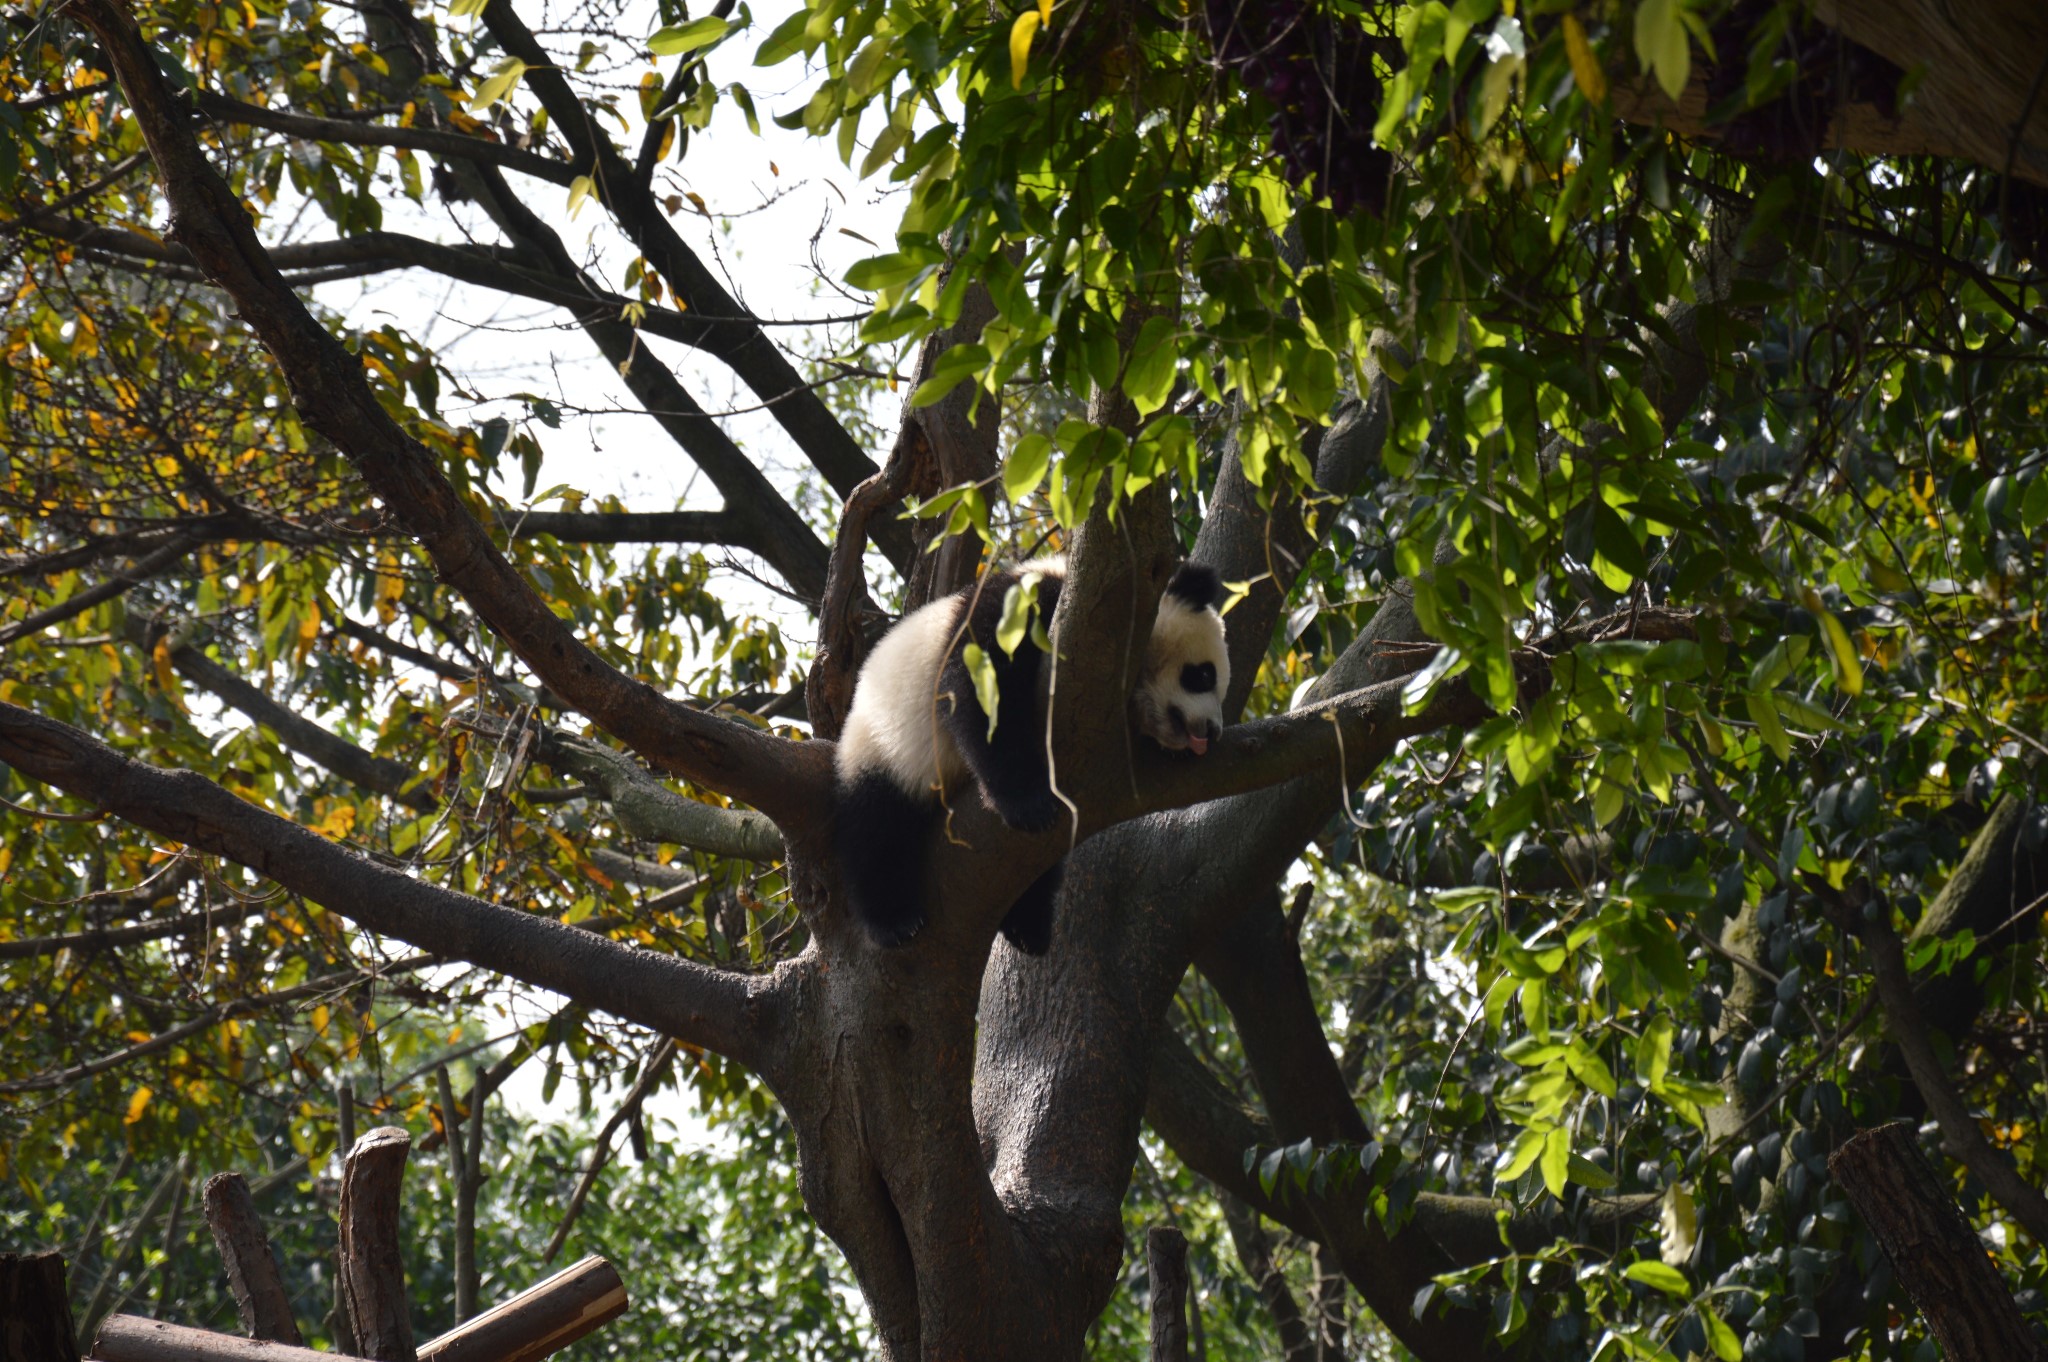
x=35, y=1309
x=260, y=1297
x=372, y=1266
x=1932, y=1248
x=532, y=1325
x=1166, y=1251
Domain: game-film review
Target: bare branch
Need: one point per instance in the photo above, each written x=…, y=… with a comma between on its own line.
x=649, y=811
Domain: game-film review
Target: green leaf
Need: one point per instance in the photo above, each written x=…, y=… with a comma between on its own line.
x=1725, y=1342
x=676, y=39
x=1658, y=1276
x=1841, y=649
x=959, y=362
x=1661, y=46
x=1527, y=1146
x=1556, y=1160
x=984, y=673
x=1148, y=378
x=1653, y=1053
x=1019, y=603
x=1025, y=468
x=1764, y=713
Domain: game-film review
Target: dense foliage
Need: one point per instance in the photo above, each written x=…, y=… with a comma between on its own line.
x=1612, y=942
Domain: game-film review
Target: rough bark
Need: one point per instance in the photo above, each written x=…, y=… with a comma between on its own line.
x=35, y=1309
x=372, y=1255
x=1932, y=1248
x=261, y=1301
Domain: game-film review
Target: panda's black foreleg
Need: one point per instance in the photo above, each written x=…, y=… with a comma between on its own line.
x=1028, y=924
x=880, y=835
x=1009, y=765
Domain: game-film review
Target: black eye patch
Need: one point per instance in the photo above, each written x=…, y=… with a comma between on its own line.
x=1198, y=678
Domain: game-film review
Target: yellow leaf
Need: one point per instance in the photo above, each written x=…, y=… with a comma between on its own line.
x=166, y=677
x=1021, y=34
x=1841, y=649
x=135, y=1106
x=320, y=1015
x=1045, y=12
x=1585, y=62
x=580, y=189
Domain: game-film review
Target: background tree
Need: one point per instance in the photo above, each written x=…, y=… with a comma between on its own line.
x=1623, y=427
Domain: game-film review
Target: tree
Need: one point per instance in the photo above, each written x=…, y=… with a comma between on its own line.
x=1622, y=426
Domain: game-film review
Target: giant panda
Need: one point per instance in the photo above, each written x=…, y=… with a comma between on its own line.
x=917, y=732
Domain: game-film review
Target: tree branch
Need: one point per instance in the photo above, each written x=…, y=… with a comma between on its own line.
x=1959, y=1129
x=106, y=938
x=351, y=132
x=649, y=811
x=787, y=780
x=733, y=1014
x=211, y=1017
x=121, y=582
x=295, y=732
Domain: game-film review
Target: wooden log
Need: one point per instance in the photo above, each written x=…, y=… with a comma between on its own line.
x=532, y=1325
x=1166, y=1252
x=372, y=1265
x=131, y=1338
x=1932, y=1248
x=35, y=1309
x=260, y=1298
x=538, y=1321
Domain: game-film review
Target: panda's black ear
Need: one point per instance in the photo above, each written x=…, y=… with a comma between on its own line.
x=1198, y=585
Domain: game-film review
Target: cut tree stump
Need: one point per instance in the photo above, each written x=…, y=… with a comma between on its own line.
x=35, y=1309
x=1166, y=1253
x=260, y=1298
x=1932, y=1248
x=372, y=1265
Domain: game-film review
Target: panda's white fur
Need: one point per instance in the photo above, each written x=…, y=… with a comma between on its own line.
x=916, y=733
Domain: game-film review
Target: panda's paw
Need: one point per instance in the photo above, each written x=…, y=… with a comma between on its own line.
x=1034, y=812
x=892, y=930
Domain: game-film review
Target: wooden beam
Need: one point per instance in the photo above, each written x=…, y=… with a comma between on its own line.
x=260, y=1298
x=372, y=1263
x=35, y=1309
x=537, y=1322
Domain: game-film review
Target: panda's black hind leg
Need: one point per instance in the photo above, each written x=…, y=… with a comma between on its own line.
x=880, y=835
x=1028, y=924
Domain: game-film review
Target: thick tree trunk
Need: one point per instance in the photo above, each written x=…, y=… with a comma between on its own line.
x=1932, y=1248
x=35, y=1309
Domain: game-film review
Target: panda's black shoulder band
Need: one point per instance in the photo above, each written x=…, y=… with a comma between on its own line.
x=1198, y=585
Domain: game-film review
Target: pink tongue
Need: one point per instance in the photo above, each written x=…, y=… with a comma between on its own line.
x=1197, y=744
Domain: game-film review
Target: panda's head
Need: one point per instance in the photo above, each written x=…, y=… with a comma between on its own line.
x=1179, y=702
